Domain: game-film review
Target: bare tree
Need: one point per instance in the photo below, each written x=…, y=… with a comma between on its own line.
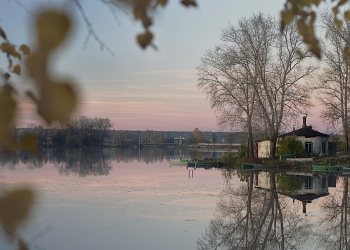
x=248, y=218
x=332, y=83
x=335, y=220
x=254, y=77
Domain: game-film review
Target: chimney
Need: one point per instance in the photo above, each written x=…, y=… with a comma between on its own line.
x=304, y=121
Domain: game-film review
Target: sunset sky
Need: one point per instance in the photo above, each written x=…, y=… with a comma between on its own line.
x=137, y=89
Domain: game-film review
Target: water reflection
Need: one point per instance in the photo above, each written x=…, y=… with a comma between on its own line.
x=94, y=160
x=265, y=212
x=335, y=221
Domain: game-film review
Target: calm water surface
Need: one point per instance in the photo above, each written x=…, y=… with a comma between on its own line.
x=113, y=199
x=135, y=199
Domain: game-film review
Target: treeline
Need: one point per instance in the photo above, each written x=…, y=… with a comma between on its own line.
x=77, y=132
x=84, y=131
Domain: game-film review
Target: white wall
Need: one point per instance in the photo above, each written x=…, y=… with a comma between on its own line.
x=264, y=149
x=316, y=144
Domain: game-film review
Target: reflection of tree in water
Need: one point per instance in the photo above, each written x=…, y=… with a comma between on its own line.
x=85, y=162
x=335, y=220
x=248, y=218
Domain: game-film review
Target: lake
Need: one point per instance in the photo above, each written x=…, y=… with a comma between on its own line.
x=113, y=199
x=136, y=199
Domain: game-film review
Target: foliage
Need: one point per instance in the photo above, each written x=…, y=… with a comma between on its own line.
x=304, y=13
x=15, y=206
x=228, y=158
x=242, y=151
x=196, y=136
x=289, y=183
x=290, y=145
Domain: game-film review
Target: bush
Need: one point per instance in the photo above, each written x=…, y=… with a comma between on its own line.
x=290, y=145
x=242, y=151
x=289, y=183
x=228, y=158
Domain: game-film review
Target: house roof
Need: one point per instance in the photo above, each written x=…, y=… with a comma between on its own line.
x=306, y=197
x=305, y=131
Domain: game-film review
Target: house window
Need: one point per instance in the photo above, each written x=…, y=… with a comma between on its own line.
x=323, y=182
x=323, y=147
x=308, y=183
x=308, y=147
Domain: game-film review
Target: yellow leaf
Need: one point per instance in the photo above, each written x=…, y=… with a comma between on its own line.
x=36, y=65
x=52, y=29
x=7, y=48
x=139, y=13
x=162, y=2
x=25, y=49
x=57, y=102
x=338, y=22
x=287, y=16
x=145, y=39
x=29, y=143
x=335, y=10
x=17, y=70
x=10, y=63
x=347, y=14
x=14, y=208
x=346, y=52
x=8, y=108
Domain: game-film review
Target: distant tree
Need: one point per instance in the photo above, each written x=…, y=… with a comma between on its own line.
x=214, y=138
x=197, y=136
x=229, y=138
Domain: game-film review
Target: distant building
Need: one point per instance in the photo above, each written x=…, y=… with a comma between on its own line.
x=314, y=142
x=179, y=141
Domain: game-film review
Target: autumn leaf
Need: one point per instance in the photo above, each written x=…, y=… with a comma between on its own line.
x=29, y=143
x=14, y=209
x=25, y=49
x=57, y=102
x=36, y=65
x=145, y=39
x=8, y=106
x=161, y=2
x=17, y=70
x=52, y=29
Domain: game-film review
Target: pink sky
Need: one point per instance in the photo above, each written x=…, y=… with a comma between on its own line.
x=138, y=89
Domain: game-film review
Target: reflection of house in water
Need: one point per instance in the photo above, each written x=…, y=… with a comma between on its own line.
x=311, y=188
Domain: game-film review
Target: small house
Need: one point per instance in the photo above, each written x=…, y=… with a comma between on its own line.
x=314, y=142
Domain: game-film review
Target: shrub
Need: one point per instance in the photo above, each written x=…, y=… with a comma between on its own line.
x=228, y=158
x=290, y=145
x=242, y=151
x=289, y=183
